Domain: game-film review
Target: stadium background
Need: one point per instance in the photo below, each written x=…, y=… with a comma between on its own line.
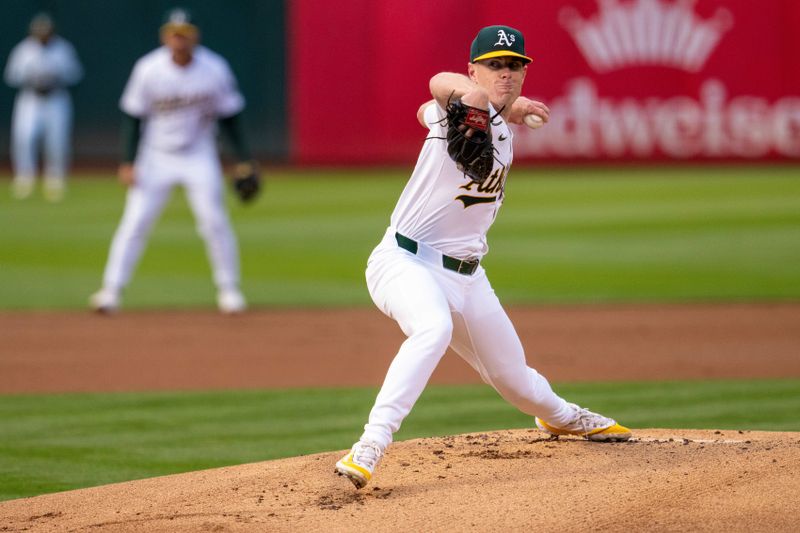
x=337, y=84
x=314, y=72
x=110, y=36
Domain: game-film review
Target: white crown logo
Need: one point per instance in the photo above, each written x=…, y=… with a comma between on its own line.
x=646, y=32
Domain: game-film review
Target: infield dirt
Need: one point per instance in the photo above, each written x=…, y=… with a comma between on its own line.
x=148, y=350
x=663, y=480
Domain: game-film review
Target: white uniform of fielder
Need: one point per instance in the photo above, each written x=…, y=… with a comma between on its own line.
x=179, y=107
x=42, y=67
x=425, y=274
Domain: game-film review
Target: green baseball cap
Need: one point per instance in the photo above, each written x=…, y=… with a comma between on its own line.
x=42, y=23
x=498, y=41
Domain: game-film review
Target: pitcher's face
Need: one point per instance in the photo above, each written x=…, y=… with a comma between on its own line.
x=502, y=77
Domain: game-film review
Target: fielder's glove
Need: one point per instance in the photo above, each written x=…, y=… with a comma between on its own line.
x=246, y=181
x=469, y=140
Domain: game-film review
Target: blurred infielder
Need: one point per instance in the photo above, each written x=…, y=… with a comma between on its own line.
x=42, y=67
x=426, y=272
x=175, y=98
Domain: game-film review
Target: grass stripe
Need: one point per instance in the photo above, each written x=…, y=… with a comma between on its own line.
x=563, y=235
x=60, y=442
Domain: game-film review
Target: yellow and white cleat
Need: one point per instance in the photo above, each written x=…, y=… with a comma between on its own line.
x=588, y=425
x=359, y=463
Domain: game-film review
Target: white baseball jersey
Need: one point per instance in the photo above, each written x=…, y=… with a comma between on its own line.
x=181, y=104
x=437, y=307
x=442, y=207
x=35, y=66
x=42, y=107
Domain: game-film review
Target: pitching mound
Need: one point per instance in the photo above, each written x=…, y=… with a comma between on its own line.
x=511, y=480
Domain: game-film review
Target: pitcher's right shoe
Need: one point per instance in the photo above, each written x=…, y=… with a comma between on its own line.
x=588, y=425
x=105, y=301
x=359, y=464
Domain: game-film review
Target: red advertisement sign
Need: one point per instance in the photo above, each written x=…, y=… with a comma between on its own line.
x=625, y=79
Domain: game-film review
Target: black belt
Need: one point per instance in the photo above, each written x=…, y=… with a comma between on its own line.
x=467, y=268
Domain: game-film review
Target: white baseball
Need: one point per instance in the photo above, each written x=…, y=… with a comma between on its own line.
x=533, y=121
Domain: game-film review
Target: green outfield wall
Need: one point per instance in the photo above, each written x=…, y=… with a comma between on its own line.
x=109, y=35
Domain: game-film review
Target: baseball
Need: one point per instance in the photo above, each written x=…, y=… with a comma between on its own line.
x=533, y=121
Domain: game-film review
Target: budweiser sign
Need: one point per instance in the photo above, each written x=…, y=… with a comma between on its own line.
x=646, y=32
x=629, y=38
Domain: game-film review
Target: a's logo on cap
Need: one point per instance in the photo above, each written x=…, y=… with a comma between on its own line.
x=504, y=39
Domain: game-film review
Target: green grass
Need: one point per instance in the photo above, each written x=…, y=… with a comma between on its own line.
x=60, y=442
x=563, y=235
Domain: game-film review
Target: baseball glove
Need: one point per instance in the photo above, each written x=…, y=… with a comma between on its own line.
x=469, y=140
x=246, y=181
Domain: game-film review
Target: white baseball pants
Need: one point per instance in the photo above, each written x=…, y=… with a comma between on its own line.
x=156, y=174
x=41, y=118
x=437, y=308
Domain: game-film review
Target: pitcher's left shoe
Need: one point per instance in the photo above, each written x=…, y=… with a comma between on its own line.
x=588, y=425
x=359, y=464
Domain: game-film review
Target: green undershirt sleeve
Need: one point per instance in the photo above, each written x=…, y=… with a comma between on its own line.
x=231, y=128
x=131, y=131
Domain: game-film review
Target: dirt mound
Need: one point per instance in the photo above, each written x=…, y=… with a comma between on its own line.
x=663, y=480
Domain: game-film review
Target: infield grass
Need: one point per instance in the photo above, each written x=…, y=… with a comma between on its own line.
x=59, y=442
x=563, y=235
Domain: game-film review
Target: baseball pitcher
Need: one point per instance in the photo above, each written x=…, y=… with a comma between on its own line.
x=426, y=273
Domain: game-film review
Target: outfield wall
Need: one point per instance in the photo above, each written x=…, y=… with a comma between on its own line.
x=340, y=82
x=625, y=79
x=109, y=35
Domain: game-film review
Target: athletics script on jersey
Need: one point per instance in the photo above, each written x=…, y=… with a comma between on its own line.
x=491, y=189
x=174, y=103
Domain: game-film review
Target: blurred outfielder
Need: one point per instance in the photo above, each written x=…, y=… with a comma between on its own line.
x=174, y=101
x=42, y=67
x=426, y=272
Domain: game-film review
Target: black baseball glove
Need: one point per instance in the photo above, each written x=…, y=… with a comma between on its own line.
x=246, y=181
x=469, y=140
